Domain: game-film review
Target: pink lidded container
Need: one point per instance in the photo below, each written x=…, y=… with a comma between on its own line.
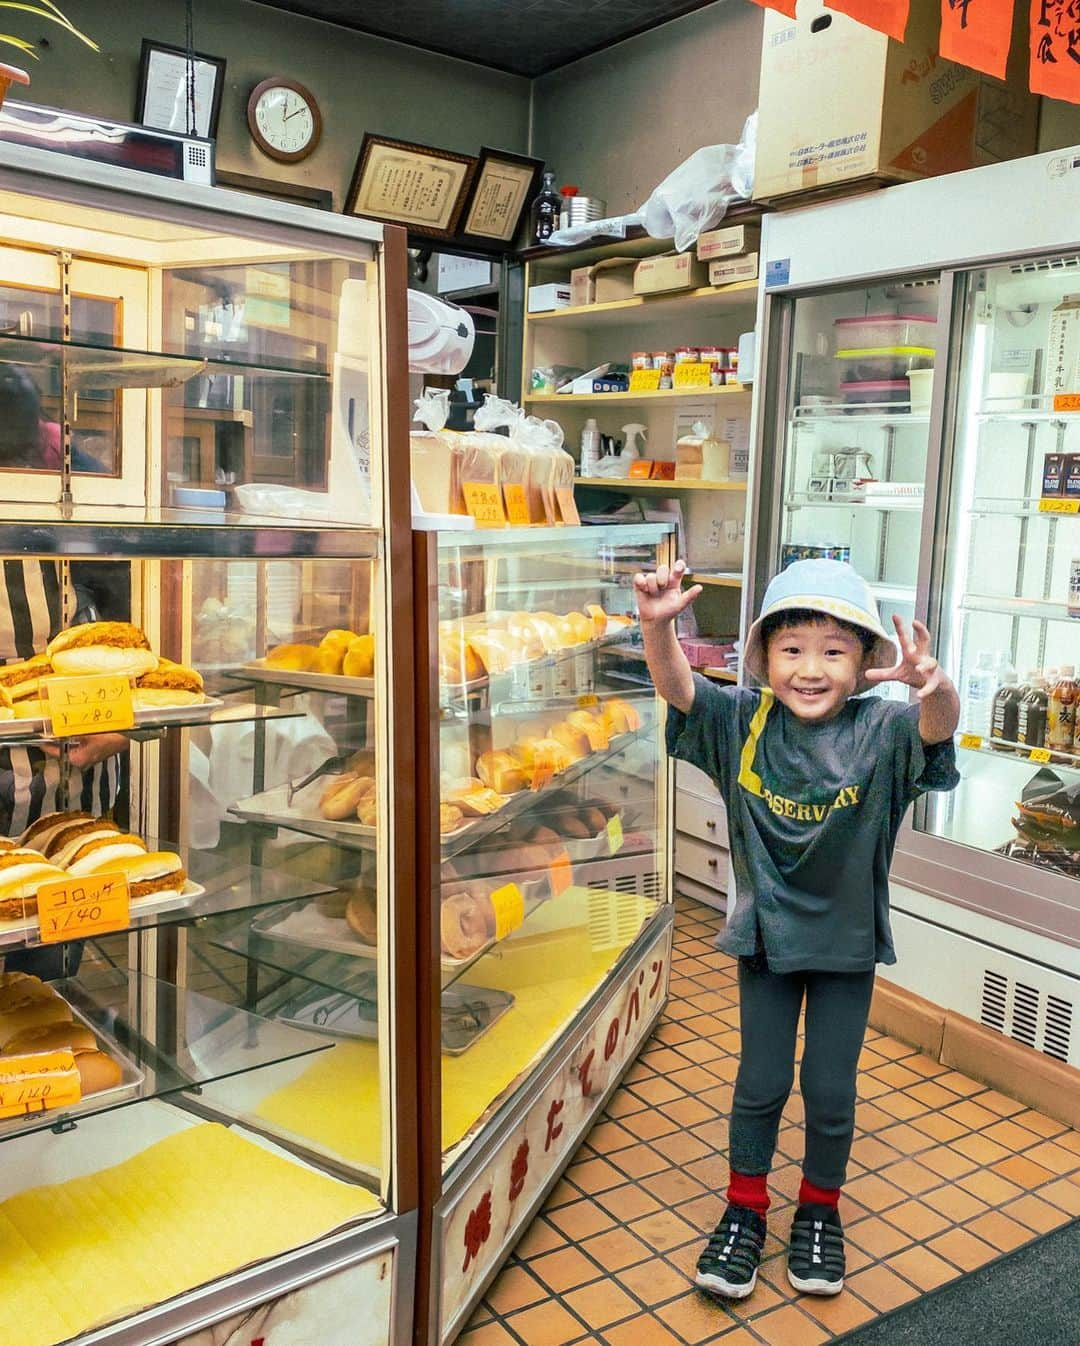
x=884, y=329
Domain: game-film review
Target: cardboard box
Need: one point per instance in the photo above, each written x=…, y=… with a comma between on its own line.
x=672, y=271
x=731, y=269
x=582, y=287
x=602, y=282
x=839, y=101
x=543, y=298
x=729, y=242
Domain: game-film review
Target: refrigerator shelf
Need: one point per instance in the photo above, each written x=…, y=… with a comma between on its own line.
x=894, y=593
x=1003, y=750
x=1030, y=508
x=804, y=500
x=1017, y=607
x=899, y=417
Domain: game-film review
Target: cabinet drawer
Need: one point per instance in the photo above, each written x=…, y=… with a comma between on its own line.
x=690, y=777
x=700, y=892
x=702, y=818
x=703, y=863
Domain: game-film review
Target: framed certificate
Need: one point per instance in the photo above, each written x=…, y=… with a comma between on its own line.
x=504, y=186
x=413, y=185
x=162, y=97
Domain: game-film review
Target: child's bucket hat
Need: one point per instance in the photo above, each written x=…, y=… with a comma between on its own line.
x=830, y=587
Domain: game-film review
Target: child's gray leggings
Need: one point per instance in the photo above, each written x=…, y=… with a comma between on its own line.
x=837, y=1005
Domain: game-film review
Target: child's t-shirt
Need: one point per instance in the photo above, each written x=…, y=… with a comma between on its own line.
x=813, y=814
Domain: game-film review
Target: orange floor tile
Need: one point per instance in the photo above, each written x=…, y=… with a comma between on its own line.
x=945, y=1176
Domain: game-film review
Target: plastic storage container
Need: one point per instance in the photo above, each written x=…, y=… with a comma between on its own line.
x=877, y=330
x=877, y=392
x=883, y=362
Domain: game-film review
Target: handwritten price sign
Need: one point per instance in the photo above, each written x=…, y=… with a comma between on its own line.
x=509, y=904
x=37, y=1083
x=484, y=503
x=94, y=704
x=79, y=908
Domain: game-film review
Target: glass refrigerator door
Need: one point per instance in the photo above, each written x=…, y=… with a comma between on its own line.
x=854, y=433
x=1010, y=584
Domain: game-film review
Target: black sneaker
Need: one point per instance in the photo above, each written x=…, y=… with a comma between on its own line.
x=728, y=1266
x=816, y=1251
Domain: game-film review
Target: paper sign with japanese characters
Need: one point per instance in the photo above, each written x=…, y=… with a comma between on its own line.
x=1055, y=49
x=977, y=33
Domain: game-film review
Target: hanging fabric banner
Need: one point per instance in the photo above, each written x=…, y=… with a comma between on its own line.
x=1055, y=49
x=786, y=7
x=886, y=16
x=977, y=33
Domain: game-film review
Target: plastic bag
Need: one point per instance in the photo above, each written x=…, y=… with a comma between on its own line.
x=433, y=408
x=436, y=457
x=541, y=443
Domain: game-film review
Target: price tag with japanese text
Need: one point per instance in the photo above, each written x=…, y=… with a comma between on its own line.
x=1053, y=505
x=484, y=503
x=78, y=908
x=1039, y=755
x=93, y=704
x=37, y=1082
x=568, y=511
x=561, y=874
x=692, y=375
x=509, y=904
x=517, y=504
x=970, y=741
x=615, y=835
x=645, y=380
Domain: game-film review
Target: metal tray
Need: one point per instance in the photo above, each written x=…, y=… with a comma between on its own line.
x=256, y=670
x=548, y=660
x=311, y=930
x=272, y=808
x=15, y=932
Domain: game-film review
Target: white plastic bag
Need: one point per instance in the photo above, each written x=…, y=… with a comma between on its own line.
x=695, y=197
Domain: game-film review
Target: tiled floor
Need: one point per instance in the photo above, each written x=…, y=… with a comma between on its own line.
x=945, y=1176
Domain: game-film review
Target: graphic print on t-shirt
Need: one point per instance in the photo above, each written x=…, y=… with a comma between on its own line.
x=800, y=810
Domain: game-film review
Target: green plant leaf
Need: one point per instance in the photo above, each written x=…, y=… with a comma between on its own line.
x=46, y=10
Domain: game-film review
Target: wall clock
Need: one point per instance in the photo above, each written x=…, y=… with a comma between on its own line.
x=284, y=119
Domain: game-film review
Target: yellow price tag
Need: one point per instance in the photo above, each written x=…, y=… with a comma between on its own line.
x=970, y=741
x=1050, y=505
x=645, y=380
x=484, y=503
x=509, y=904
x=564, y=497
x=1039, y=755
x=89, y=705
x=38, y=1082
x=517, y=503
x=692, y=375
x=588, y=699
x=1067, y=401
x=79, y=908
x=615, y=835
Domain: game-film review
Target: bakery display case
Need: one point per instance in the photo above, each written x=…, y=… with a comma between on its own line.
x=547, y=854
x=207, y=1039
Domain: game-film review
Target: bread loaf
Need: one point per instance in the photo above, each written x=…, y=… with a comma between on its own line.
x=360, y=658
x=98, y=1071
x=55, y=1037
x=575, y=741
x=501, y=772
x=50, y=1010
x=294, y=658
x=362, y=916
x=341, y=798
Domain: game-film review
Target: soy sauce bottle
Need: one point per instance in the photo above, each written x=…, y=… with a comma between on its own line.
x=545, y=211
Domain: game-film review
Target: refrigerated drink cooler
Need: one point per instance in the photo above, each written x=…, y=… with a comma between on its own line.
x=919, y=415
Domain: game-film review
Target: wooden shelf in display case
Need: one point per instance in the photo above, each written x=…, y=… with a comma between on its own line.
x=642, y=309
x=660, y=395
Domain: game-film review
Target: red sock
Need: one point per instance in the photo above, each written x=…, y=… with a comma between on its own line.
x=749, y=1189
x=817, y=1196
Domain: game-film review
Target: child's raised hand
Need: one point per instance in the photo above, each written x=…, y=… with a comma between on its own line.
x=660, y=596
x=917, y=667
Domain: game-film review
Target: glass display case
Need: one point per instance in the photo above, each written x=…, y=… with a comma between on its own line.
x=204, y=757
x=548, y=858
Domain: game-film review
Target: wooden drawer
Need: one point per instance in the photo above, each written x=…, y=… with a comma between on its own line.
x=702, y=863
x=705, y=819
x=689, y=777
x=700, y=892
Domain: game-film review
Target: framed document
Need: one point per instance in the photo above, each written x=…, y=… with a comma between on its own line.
x=162, y=97
x=502, y=190
x=408, y=184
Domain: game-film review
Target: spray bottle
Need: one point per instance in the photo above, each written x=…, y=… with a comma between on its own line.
x=631, y=448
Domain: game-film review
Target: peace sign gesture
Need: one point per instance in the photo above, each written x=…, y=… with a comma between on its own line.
x=917, y=667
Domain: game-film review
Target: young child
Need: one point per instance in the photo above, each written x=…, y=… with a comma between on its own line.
x=816, y=780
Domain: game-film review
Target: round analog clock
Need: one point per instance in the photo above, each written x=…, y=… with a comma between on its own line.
x=284, y=119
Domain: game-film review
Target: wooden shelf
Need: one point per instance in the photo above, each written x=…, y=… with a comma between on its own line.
x=731, y=581
x=636, y=242
x=664, y=487
x=662, y=394
x=645, y=308
x=719, y=674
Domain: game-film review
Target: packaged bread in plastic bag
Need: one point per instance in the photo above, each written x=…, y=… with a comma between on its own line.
x=482, y=451
x=525, y=468
x=436, y=457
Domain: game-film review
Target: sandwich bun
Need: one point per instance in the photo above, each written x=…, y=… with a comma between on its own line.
x=98, y=854
x=25, y=992
x=58, y=1037
x=343, y=796
x=170, y=676
x=154, y=873
x=30, y=708
x=23, y=677
x=101, y=647
x=160, y=698
x=21, y=873
x=39, y=833
x=59, y=848
x=97, y=1071
x=295, y=658
x=35, y=1015
x=359, y=661
x=361, y=916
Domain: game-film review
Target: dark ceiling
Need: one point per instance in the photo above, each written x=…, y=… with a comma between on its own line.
x=525, y=37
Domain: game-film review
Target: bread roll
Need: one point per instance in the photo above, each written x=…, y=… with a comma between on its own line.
x=359, y=659
x=21, y=873
x=65, y=841
x=466, y=923
x=542, y=758
x=38, y=834
x=592, y=726
x=154, y=874
x=620, y=716
x=501, y=772
x=57, y=1037
x=333, y=904
x=582, y=627
x=598, y=617
x=294, y=658
x=342, y=796
x=521, y=626
x=37, y=1014
x=98, y=854
x=362, y=916
x=546, y=624
x=98, y=1071
x=22, y=678
x=475, y=800
x=498, y=651
x=450, y=818
x=367, y=811
x=575, y=741
x=101, y=647
x=458, y=662
x=25, y=992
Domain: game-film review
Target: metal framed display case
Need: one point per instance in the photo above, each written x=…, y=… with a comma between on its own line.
x=545, y=847
x=197, y=454
x=930, y=481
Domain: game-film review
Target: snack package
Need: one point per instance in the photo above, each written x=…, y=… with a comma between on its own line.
x=436, y=457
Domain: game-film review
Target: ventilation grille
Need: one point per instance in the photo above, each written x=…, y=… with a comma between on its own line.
x=1050, y=264
x=1023, y=1012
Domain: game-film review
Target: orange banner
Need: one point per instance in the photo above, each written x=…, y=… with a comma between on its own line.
x=1055, y=49
x=977, y=33
x=886, y=16
x=781, y=6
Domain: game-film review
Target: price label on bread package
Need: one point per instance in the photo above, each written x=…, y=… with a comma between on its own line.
x=509, y=904
x=93, y=704
x=615, y=835
x=484, y=503
x=37, y=1082
x=517, y=503
x=78, y=908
